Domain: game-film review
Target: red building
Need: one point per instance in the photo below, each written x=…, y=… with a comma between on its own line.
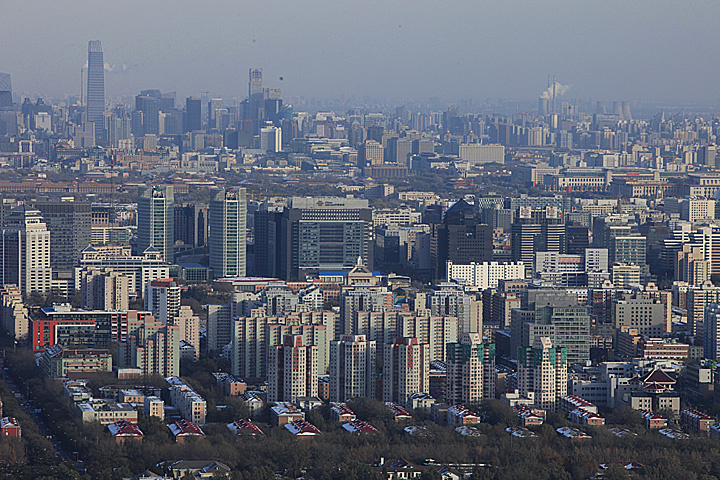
x=183, y=430
x=123, y=431
x=9, y=427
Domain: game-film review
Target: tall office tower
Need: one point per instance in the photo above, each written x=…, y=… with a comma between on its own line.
x=6, y=99
x=25, y=259
x=271, y=139
x=189, y=324
x=352, y=368
x=370, y=153
x=193, y=114
x=228, y=215
x=462, y=238
x=148, y=102
x=543, y=370
x=219, y=326
x=151, y=346
x=630, y=250
x=268, y=219
x=96, y=88
x=191, y=222
x=571, y=329
x=256, y=100
x=163, y=299
x=706, y=155
x=69, y=223
x=213, y=106
x=398, y=150
x=406, y=370
x=470, y=370
x=325, y=233
x=104, y=289
x=292, y=370
x=711, y=341
x=578, y=239
x=156, y=220
x=536, y=231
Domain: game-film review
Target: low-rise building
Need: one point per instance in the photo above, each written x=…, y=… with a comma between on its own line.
x=359, y=426
x=573, y=433
x=530, y=416
x=191, y=405
x=124, y=431
x=341, y=413
x=252, y=401
x=154, y=407
x=184, y=430
x=459, y=415
x=568, y=403
x=77, y=390
x=284, y=413
x=399, y=413
x=581, y=416
x=302, y=429
x=653, y=420
x=244, y=427
x=696, y=422
x=199, y=469
x=58, y=362
x=10, y=428
x=106, y=411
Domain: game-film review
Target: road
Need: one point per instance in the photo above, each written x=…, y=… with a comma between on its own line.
x=27, y=406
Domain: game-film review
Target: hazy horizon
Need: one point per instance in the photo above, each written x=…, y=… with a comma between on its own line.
x=613, y=50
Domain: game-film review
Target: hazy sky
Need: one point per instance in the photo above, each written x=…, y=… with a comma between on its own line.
x=605, y=49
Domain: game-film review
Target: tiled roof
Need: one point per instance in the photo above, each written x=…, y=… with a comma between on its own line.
x=359, y=426
x=123, y=428
x=302, y=428
x=185, y=428
x=244, y=426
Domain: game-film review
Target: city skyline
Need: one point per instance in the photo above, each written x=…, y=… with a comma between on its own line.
x=386, y=50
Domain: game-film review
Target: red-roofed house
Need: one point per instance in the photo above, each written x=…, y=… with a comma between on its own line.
x=568, y=403
x=584, y=417
x=459, y=415
x=244, y=427
x=653, y=420
x=696, y=421
x=341, y=412
x=9, y=427
x=123, y=430
x=183, y=430
x=398, y=412
x=302, y=429
x=359, y=426
x=530, y=417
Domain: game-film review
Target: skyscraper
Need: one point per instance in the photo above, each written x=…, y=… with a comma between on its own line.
x=352, y=368
x=6, y=99
x=156, y=220
x=25, y=250
x=325, y=233
x=228, y=211
x=193, y=114
x=292, y=370
x=542, y=370
x=256, y=99
x=69, y=223
x=462, y=238
x=96, y=87
x=470, y=370
x=406, y=370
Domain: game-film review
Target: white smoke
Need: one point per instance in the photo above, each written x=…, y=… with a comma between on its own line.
x=560, y=90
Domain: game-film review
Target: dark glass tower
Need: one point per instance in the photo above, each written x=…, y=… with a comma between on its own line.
x=96, y=87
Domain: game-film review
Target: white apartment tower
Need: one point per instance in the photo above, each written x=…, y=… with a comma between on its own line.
x=26, y=251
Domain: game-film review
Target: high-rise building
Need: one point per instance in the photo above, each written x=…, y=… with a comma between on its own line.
x=219, y=326
x=352, y=368
x=156, y=220
x=6, y=99
x=104, y=289
x=191, y=224
x=189, y=324
x=69, y=223
x=325, y=233
x=151, y=346
x=96, y=88
x=193, y=114
x=163, y=299
x=228, y=214
x=149, y=103
x=470, y=370
x=536, y=231
x=271, y=139
x=711, y=341
x=697, y=299
x=543, y=370
x=406, y=370
x=25, y=260
x=462, y=238
x=292, y=370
